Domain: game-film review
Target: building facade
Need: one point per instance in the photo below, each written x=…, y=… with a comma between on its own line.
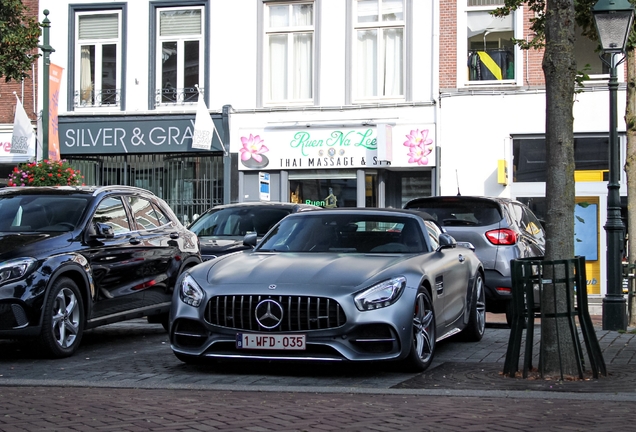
x=331, y=102
x=492, y=113
x=26, y=91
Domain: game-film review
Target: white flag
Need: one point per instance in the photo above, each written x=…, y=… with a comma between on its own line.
x=22, y=130
x=203, y=127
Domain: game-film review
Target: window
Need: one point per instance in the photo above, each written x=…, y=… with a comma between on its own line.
x=145, y=214
x=111, y=212
x=379, y=32
x=490, y=50
x=529, y=157
x=180, y=48
x=289, y=47
x=98, y=59
x=587, y=57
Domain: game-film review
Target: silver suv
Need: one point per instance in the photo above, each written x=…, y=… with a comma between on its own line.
x=501, y=229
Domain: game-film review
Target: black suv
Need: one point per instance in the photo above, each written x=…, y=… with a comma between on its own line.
x=222, y=228
x=501, y=229
x=74, y=258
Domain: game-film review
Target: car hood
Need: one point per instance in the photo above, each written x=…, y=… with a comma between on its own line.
x=221, y=245
x=14, y=245
x=307, y=269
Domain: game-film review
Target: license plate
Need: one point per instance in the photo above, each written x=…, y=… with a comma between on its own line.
x=270, y=341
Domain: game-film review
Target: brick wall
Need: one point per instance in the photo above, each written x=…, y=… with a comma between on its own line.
x=7, y=99
x=532, y=72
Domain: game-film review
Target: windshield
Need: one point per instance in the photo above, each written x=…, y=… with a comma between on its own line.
x=236, y=222
x=345, y=233
x=41, y=213
x=460, y=212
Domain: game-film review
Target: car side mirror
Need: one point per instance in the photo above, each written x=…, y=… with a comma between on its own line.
x=467, y=245
x=446, y=241
x=101, y=230
x=250, y=239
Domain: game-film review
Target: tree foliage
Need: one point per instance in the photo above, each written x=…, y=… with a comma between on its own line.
x=19, y=35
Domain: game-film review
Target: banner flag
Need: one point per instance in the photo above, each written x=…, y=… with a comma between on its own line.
x=203, y=126
x=22, y=131
x=55, y=78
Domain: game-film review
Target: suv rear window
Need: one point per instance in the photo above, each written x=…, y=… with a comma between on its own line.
x=459, y=212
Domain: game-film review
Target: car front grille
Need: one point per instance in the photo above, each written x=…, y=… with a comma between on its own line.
x=299, y=313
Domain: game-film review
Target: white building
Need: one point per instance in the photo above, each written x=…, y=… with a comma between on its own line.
x=357, y=103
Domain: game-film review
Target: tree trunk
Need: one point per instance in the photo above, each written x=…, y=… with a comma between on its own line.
x=559, y=68
x=630, y=166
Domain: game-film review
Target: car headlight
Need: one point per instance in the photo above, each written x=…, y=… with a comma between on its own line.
x=190, y=292
x=15, y=269
x=380, y=295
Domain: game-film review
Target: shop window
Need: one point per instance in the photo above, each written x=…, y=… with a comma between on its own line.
x=529, y=157
x=97, y=69
x=179, y=57
x=490, y=50
x=379, y=30
x=289, y=52
x=324, y=192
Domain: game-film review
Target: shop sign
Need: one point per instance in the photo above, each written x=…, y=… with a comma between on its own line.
x=340, y=148
x=130, y=134
x=6, y=156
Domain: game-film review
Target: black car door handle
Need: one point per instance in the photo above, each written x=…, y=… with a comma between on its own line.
x=174, y=235
x=135, y=240
x=461, y=258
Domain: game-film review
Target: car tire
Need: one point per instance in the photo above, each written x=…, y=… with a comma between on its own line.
x=524, y=324
x=476, y=327
x=63, y=319
x=423, y=334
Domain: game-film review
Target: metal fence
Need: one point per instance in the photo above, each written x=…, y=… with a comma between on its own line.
x=189, y=184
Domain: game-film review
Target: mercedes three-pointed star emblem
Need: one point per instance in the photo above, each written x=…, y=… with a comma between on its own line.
x=269, y=314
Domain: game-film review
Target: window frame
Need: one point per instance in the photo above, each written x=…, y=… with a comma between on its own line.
x=290, y=31
x=181, y=40
x=75, y=56
x=463, y=79
x=154, y=47
x=404, y=24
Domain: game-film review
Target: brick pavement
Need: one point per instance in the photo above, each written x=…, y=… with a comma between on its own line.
x=463, y=390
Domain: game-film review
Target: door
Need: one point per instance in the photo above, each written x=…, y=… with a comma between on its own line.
x=115, y=261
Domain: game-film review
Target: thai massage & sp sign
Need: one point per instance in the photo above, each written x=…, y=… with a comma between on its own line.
x=339, y=148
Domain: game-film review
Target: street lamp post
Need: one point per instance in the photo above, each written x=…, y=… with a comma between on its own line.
x=47, y=49
x=613, y=19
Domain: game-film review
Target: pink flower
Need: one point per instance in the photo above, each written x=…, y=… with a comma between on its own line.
x=420, y=146
x=252, y=148
x=418, y=138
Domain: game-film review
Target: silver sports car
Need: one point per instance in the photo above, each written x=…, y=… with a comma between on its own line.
x=333, y=285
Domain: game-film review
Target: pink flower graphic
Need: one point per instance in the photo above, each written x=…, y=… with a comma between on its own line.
x=419, y=146
x=252, y=148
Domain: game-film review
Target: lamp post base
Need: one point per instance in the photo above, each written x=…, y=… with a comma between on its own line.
x=614, y=313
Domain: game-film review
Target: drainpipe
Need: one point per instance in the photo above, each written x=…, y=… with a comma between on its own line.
x=227, y=159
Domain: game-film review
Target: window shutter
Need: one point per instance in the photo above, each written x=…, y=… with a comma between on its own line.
x=486, y=2
x=102, y=26
x=180, y=22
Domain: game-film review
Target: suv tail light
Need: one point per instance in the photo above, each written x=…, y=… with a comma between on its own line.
x=502, y=237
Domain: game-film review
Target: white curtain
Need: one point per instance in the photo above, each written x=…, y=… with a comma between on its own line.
x=291, y=67
x=278, y=67
x=302, y=69
x=367, y=63
x=86, y=79
x=393, y=62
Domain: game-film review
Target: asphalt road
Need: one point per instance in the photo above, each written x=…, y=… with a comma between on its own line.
x=125, y=378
